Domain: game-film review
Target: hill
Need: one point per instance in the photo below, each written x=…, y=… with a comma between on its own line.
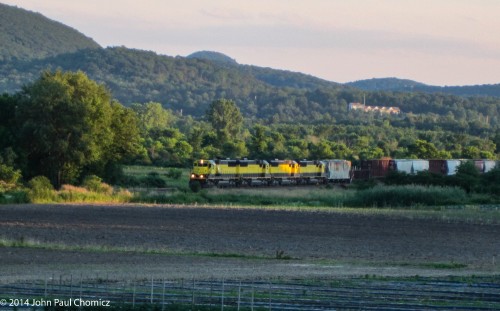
x=403, y=85
x=187, y=84
x=213, y=56
x=275, y=77
x=26, y=35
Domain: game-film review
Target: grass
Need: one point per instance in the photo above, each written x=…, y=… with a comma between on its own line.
x=29, y=243
x=140, y=172
x=380, y=196
x=443, y=203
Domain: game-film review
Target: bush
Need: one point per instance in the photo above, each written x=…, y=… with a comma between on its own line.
x=491, y=182
x=14, y=197
x=153, y=180
x=9, y=177
x=407, y=196
x=174, y=173
x=94, y=183
x=41, y=190
x=70, y=193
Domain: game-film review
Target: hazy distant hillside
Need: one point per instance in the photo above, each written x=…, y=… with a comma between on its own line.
x=213, y=56
x=275, y=77
x=27, y=35
x=142, y=76
x=403, y=85
x=189, y=84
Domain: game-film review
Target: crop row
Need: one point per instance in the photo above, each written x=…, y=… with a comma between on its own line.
x=387, y=294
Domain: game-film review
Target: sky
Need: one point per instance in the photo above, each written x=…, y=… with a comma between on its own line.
x=437, y=42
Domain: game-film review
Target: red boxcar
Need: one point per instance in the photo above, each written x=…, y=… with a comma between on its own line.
x=376, y=168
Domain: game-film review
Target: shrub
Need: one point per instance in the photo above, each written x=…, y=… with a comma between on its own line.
x=14, y=197
x=154, y=180
x=69, y=193
x=9, y=177
x=174, y=173
x=407, y=196
x=94, y=183
x=41, y=190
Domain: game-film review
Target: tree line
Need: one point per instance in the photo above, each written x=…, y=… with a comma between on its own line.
x=65, y=126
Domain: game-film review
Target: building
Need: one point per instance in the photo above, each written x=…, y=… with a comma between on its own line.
x=381, y=109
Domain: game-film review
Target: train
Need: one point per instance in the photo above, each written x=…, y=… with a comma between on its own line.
x=245, y=172
x=273, y=172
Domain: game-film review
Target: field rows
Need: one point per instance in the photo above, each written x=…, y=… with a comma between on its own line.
x=381, y=294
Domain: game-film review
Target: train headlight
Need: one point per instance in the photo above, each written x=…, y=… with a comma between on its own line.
x=201, y=176
x=193, y=175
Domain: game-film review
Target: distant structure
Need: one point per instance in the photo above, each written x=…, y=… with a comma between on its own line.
x=381, y=109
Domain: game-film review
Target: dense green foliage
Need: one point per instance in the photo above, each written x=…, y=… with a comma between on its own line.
x=213, y=56
x=403, y=85
x=65, y=126
x=26, y=35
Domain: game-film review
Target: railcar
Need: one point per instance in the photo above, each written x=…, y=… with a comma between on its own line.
x=202, y=170
x=283, y=171
x=444, y=167
x=311, y=171
x=373, y=169
x=338, y=171
x=409, y=166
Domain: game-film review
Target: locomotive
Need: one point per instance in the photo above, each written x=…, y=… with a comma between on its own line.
x=237, y=172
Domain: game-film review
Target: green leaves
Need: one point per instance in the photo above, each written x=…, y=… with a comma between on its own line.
x=226, y=120
x=68, y=124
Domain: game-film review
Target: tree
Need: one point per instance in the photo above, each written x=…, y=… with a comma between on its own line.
x=424, y=150
x=152, y=116
x=259, y=142
x=7, y=120
x=467, y=176
x=226, y=120
x=66, y=124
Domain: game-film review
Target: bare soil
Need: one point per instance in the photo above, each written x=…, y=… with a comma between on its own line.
x=320, y=244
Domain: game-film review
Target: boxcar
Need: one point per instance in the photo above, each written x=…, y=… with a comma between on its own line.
x=376, y=168
x=409, y=166
x=444, y=167
x=338, y=170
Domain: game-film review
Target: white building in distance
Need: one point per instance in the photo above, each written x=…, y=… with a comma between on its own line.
x=381, y=109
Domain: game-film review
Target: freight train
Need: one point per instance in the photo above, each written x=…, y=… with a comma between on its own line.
x=238, y=172
x=273, y=172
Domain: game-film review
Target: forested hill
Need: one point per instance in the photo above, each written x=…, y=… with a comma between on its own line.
x=190, y=84
x=404, y=85
x=275, y=77
x=26, y=35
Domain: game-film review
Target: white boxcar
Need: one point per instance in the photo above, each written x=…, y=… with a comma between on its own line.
x=337, y=170
x=452, y=165
x=410, y=166
x=489, y=165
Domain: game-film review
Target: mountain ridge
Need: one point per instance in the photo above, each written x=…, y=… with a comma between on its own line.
x=189, y=84
x=26, y=35
x=405, y=85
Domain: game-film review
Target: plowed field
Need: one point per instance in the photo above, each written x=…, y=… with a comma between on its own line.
x=242, y=242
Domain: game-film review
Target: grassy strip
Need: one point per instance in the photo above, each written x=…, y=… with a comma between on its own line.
x=27, y=243
x=419, y=202
x=407, y=196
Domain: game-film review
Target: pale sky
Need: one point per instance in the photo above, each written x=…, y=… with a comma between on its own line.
x=438, y=42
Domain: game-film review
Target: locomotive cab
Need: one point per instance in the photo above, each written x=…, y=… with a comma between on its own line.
x=202, y=170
